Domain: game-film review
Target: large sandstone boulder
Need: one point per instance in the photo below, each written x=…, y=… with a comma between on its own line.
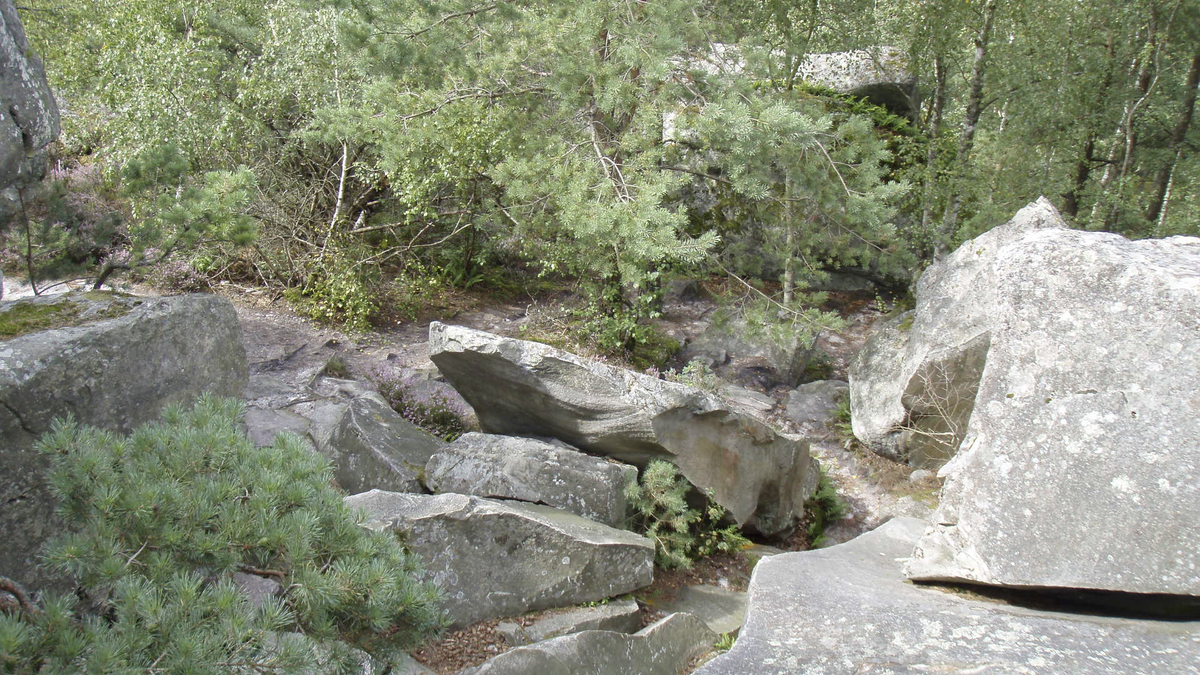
x=1067, y=363
x=28, y=113
x=526, y=388
x=666, y=647
x=372, y=446
x=114, y=363
x=847, y=610
x=529, y=470
x=500, y=558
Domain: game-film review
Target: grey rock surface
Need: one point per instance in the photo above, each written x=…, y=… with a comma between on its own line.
x=531, y=470
x=811, y=405
x=913, y=385
x=114, y=373
x=722, y=609
x=1061, y=367
x=29, y=118
x=621, y=616
x=529, y=389
x=879, y=74
x=663, y=648
x=501, y=558
x=847, y=609
x=372, y=446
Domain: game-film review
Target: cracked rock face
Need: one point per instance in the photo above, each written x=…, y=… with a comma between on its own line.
x=847, y=610
x=1068, y=365
x=496, y=558
x=113, y=373
x=28, y=113
x=531, y=470
x=526, y=388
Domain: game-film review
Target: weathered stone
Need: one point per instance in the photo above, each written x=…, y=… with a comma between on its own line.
x=663, y=648
x=530, y=470
x=748, y=356
x=262, y=426
x=847, y=609
x=1066, y=364
x=114, y=373
x=403, y=664
x=621, y=616
x=500, y=558
x=256, y=589
x=529, y=389
x=722, y=609
x=28, y=112
x=914, y=384
x=372, y=446
x=879, y=74
x=811, y=405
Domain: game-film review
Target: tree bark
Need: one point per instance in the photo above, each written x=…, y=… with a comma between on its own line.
x=966, y=141
x=936, y=109
x=1178, y=134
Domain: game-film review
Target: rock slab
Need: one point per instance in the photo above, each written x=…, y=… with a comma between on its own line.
x=525, y=388
x=847, y=609
x=620, y=616
x=497, y=558
x=115, y=367
x=530, y=470
x=663, y=648
x=373, y=446
x=1067, y=364
x=721, y=609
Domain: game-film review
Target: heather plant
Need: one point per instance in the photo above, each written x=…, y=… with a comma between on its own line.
x=436, y=413
x=163, y=518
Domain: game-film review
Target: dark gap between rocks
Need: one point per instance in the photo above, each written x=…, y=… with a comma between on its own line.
x=1083, y=601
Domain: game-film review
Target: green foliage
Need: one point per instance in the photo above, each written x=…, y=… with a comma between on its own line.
x=841, y=420
x=824, y=507
x=680, y=533
x=697, y=373
x=725, y=642
x=161, y=519
x=339, y=292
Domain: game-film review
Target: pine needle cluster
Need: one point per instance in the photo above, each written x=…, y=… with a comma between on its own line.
x=161, y=521
x=681, y=534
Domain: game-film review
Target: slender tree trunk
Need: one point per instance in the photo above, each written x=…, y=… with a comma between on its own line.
x=936, y=108
x=966, y=141
x=1178, y=134
x=1083, y=170
x=789, y=267
x=1125, y=138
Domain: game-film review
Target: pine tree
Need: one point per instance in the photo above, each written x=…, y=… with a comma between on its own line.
x=163, y=518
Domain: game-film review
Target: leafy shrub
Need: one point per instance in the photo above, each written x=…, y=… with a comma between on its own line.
x=825, y=507
x=339, y=294
x=841, y=421
x=680, y=533
x=697, y=374
x=437, y=414
x=162, y=518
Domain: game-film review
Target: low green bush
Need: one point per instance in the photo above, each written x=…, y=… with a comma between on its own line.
x=681, y=534
x=160, y=521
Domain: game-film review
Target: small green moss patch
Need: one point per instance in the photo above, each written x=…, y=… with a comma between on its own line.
x=30, y=317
